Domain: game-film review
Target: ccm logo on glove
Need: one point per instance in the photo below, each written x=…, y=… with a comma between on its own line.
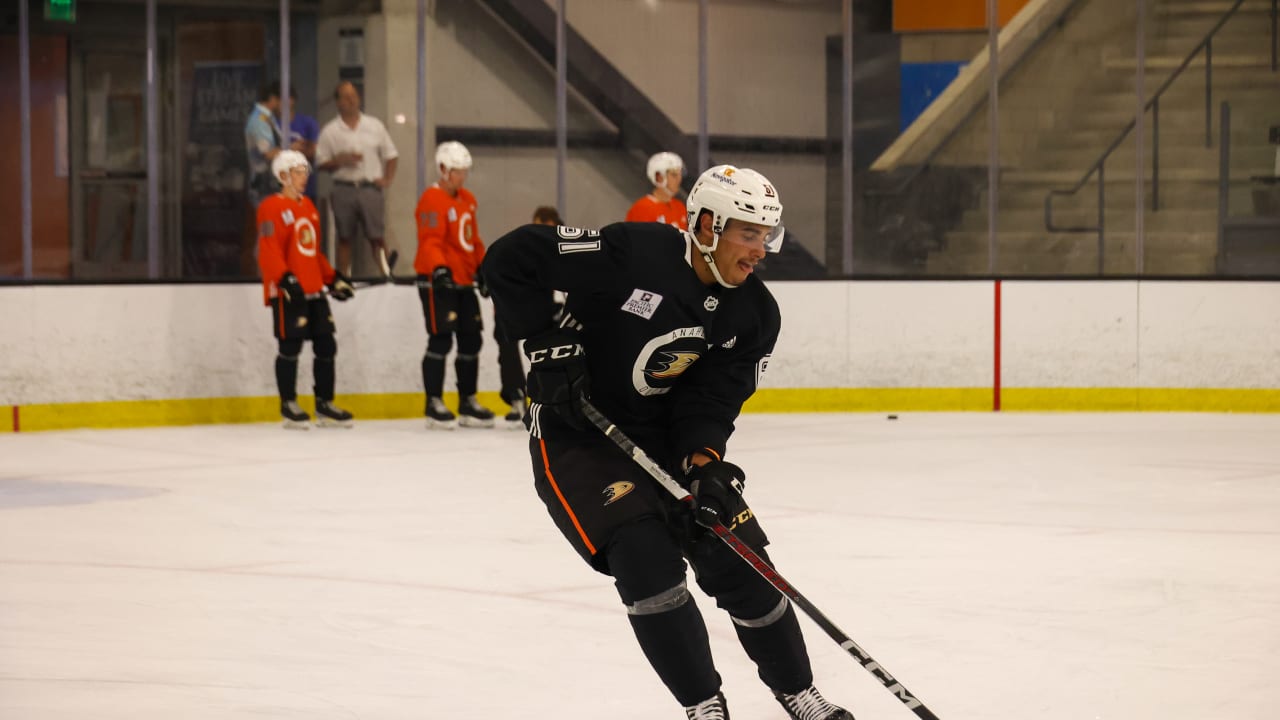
x=555, y=352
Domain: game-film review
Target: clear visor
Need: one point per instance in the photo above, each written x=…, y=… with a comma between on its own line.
x=755, y=235
x=773, y=241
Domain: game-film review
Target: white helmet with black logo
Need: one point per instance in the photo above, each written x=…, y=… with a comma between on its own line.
x=453, y=155
x=285, y=161
x=661, y=164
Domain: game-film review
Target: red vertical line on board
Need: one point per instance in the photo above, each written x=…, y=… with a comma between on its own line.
x=995, y=395
x=15, y=419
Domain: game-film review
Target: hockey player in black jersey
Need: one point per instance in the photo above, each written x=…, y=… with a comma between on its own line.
x=667, y=333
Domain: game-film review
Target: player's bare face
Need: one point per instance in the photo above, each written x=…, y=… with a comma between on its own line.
x=453, y=180
x=741, y=247
x=673, y=178
x=296, y=183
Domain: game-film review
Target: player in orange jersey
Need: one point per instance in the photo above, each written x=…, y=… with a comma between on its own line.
x=665, y=170
x=294, y=275
x=449, y=253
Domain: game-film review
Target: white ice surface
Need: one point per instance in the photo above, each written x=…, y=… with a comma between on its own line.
x=1006, y=566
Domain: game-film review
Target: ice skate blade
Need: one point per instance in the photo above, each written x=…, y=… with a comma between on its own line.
x=433, y=424
x=467, y=421
x=513, y=424
x=296, y=424
x=325, y=422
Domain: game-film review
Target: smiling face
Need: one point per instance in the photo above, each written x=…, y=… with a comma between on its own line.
x=741, y=247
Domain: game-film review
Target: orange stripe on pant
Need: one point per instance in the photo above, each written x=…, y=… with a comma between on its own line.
x=431, y=318
x=546, y=466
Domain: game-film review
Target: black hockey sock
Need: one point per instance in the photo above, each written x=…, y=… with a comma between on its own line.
x=675, y=642
x=287, y=377
x=467, y=368
x=323, y=370
x=511, y=372
x=433, y=374
x=778, y=650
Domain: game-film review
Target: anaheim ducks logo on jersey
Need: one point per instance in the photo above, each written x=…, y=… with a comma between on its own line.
x=616, y=491
x=466, y=230
x=672, y=364
x=665, y=358
x=304, y=234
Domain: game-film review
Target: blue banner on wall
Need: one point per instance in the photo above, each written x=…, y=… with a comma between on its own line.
x=921, y=84
x=215, y=169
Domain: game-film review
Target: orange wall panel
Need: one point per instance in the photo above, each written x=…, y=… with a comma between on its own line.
x=946, y=15
x=50, y=194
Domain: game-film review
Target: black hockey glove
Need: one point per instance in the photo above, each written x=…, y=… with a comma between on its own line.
x=341, y=289
x=717, y=492
x=439, y=301
x=558, y=374
x=481, y=286
x=290, y=290
x=442, y=279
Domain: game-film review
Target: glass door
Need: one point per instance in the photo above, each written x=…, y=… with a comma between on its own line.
x=109, y=161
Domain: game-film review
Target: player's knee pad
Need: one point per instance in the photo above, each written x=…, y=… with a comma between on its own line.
x=439, y=344
x=647, y=567
x=290, y=349
x=779, y=610
x=469, y=344
x=325, y=346
x=739, y=590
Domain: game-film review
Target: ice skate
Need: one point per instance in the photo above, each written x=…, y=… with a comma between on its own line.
x=440, y=417
x=808, y=704
x=330, y=415
x=514, y=419
x=712, y=709
x=472, y=414
x=295, y=418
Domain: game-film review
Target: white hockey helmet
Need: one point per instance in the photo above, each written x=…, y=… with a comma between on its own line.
x=286, y=160
x=453, y=155
x=661, y=163
x=743, y=194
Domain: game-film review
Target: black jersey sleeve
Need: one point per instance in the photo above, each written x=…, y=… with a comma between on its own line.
x=523, y=267
x=709, y=397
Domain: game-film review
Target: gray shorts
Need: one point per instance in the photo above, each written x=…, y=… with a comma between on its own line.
x=356, y=207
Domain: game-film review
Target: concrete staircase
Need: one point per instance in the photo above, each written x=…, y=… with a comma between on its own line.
x=1069, y=101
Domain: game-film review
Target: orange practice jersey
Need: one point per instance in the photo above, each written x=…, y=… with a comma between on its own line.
x=648, y=209
x=447, y=234
x=289, y=239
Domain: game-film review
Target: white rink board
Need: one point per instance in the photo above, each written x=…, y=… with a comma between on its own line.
x=122, y=342
x=1069, y=334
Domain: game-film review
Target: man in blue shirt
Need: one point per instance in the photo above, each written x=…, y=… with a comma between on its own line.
x=262, y=140
x=303, y=133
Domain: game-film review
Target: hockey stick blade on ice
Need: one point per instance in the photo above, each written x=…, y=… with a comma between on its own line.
x=766, y=571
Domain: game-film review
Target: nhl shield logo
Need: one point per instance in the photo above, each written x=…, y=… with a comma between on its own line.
x=711, y=303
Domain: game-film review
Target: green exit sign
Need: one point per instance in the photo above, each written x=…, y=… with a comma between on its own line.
x=62, y=10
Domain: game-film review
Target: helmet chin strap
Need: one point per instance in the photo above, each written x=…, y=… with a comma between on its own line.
x=705, y=252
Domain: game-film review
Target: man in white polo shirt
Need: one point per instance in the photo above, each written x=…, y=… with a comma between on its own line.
x=357, y=149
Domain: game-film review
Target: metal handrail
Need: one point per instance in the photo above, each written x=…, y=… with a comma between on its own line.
x=916, y=170
x=1154, y=105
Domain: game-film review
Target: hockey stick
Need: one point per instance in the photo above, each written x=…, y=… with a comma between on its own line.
x=758, y=563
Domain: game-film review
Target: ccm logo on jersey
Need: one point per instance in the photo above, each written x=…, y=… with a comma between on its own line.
x=555, y=352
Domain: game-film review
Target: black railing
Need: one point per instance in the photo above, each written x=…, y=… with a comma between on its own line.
x=1099, y=166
